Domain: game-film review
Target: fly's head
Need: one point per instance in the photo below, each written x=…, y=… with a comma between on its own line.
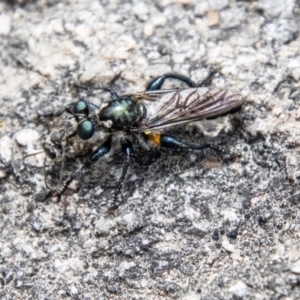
x=85, y=114
x=76, y=133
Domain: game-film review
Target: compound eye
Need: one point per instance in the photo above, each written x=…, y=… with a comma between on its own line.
x=81, y=107
x=85, y=130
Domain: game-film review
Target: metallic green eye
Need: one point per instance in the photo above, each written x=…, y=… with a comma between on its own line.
x=85, y=130
x=81, y=107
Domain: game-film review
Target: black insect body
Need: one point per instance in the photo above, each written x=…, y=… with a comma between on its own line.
x=140, y=118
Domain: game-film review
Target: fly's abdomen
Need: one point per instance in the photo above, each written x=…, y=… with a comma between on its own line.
x=121, y=113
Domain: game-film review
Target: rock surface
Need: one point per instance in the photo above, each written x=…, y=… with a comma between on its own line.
x=191, y=225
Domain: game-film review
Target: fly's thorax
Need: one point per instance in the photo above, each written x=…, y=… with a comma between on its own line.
x=121, y=113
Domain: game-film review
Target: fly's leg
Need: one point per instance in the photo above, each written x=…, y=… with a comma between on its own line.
x=113, y=93
x=100, y=152
x=128, y=151
x=167, y=141
x=105, y=149
x=55, y=149
x=65, y=185
x=207, y=80
x=170, y=142
x=157, y=83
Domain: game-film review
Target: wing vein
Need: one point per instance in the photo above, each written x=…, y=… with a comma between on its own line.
x=173, y=107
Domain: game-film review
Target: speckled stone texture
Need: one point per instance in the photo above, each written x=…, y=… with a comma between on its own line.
x=192, y=225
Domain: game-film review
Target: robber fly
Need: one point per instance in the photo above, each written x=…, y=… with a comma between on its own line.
x=141, y=119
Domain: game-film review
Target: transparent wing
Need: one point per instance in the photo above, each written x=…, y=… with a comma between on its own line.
x=173, y=107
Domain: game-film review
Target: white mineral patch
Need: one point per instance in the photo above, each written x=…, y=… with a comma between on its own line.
x=226, y=245
x=103, y=226
x=240, y=289
x=130, y=220
x=5, y=24
x=6, y=149
x=148, y=29
x=25, y=137
x=295, y=267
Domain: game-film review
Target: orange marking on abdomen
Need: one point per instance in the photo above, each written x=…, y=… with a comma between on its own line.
x=155, y=138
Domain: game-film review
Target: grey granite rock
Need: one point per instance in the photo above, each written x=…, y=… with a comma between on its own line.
x=191, y=225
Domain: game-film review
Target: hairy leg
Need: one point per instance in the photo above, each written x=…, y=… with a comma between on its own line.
x=167, y=141
x=128, y=151
x=157, y=83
